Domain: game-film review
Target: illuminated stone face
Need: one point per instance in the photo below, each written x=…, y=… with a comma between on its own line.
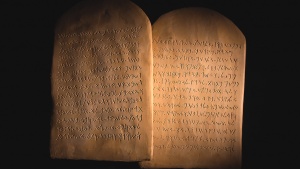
x=198, y=89
x=123, y=92
x=102, y=83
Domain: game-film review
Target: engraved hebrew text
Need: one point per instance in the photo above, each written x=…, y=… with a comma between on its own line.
x=102, y=84
x=195, y=95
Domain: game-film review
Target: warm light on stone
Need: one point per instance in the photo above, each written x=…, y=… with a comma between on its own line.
x=102, y=83
x=170, y=96
x=198, y=89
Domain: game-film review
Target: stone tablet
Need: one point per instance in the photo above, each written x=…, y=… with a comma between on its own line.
x=102, y=83
x=198, y=89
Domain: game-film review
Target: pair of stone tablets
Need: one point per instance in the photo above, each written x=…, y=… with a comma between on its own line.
x=168, y=95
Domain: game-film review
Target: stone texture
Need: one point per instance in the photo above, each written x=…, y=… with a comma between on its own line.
x=102, y=83
x=198, y=89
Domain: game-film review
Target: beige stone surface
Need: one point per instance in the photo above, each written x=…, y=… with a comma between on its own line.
x=102, y=83
x=198, y=89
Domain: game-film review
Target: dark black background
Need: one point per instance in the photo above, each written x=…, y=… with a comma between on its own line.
x=271, y=104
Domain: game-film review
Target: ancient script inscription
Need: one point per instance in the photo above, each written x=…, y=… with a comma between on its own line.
x=102, y=83
x=198, y=85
